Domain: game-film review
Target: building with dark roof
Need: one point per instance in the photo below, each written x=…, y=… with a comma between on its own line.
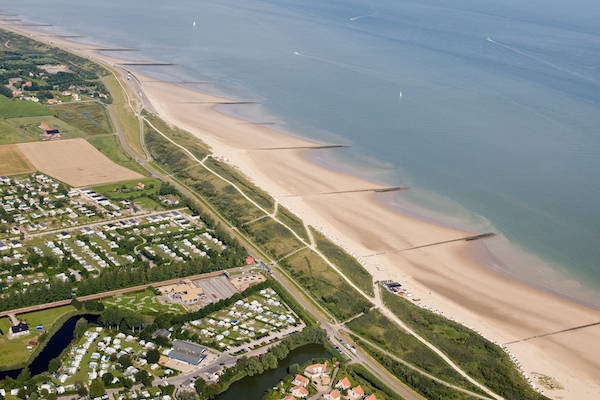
x=188, y=352
x=20, y=329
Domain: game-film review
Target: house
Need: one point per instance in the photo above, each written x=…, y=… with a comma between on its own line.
x=21, y=329
x=333, y=395
x=249, y=260
x=299, y=391
x=371, y=397
x=162, y=333
x=316, y=370
x=343, y=384
x=300, y=380
x=356, y=392
x=140, y=185
x=289, y=397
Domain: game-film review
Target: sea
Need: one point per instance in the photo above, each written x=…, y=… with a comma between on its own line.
x=488, y=110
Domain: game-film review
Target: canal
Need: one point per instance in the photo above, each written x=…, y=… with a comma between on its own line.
x=255, y=387
x=57, y=343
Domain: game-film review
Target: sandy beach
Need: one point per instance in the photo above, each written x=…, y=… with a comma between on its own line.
x=446, y=277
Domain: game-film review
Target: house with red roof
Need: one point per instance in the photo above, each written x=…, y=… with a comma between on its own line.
x=333, y=395
x=300, y=380
x=371, y=397
x=356, y=392
x=343, y=384
x=316, y=370
x=299, y=391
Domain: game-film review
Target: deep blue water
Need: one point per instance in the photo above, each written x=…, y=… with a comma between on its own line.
x=508, y=129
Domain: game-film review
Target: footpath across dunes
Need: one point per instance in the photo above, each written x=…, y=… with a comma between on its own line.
x=13, y=161
x=75, y=162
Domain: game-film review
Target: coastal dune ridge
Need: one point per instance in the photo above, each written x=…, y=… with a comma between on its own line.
x=437, y=266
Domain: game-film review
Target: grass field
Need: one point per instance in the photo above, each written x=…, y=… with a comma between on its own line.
x=126, y=190
x=111, y=148
x=273, y=237
x=27, y=129
x=344, y=261
x=196, y=146
x=90, y=117
x=13, y=162
x=325, y=285
x=144, y=302
x=480, y=358
x=10, y=108
x=127, y=122
x=15, y=351
x=294, y=222
x=376, y=328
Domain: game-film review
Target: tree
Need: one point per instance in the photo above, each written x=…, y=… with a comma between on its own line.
x=54, y=364
x=81, y=389
x=152, y=356
x=269, y=361
x=107, y=378
x=125, y=360
x=24, y=375
x=144, y=377
x=97, y=388
x=294, y=369
x=80, y=327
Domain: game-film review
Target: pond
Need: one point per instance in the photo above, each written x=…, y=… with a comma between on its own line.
x=254, y=387
x=57, y=343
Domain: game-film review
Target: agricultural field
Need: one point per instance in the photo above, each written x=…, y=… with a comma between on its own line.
x=18, y=350
x=75, y=162
x=28, y=129
x=324, y=284
x=90, y=117
x=255, y=321
x=10, y=108
x=344, y=261
x=145, y=302
x=13, y=162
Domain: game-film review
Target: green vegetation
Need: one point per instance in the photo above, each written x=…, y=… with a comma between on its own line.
x=127, y=122
x=344, y=261
x=325, y=285
x=27, y=129
x=198, y=148
x=275, y=238
x=480, y=358
x=375, y=327
x=129, y=189
x=90, y=117
x=427, y=387
x=18, y=351
x=294, y=222
x=110, y=147
x=361, y=373
x=12, y=108
x=261, y=197
x=144, y=301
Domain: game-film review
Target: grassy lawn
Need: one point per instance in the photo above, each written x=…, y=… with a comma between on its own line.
x=126, y=122
x=144, y=302
x=273, y=237
x=90, y=117
x=10, y=108
x=325, y=285
x=481, y=359
x=294, y=222
x=110, y=147
x=27, y=129
x=376, y=328
x=15, y=351
x=148, y=204
x=228, y=172
x=127, y=190
x=344, y=261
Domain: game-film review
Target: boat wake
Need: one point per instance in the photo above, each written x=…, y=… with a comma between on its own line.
x=540, y=60
x=356, y=18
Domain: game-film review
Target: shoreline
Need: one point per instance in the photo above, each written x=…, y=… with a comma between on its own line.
x=444, y=276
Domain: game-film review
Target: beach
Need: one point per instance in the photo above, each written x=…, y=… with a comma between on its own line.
x=455, y=278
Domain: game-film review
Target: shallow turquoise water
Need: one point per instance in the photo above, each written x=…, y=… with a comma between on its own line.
x=507, y=129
